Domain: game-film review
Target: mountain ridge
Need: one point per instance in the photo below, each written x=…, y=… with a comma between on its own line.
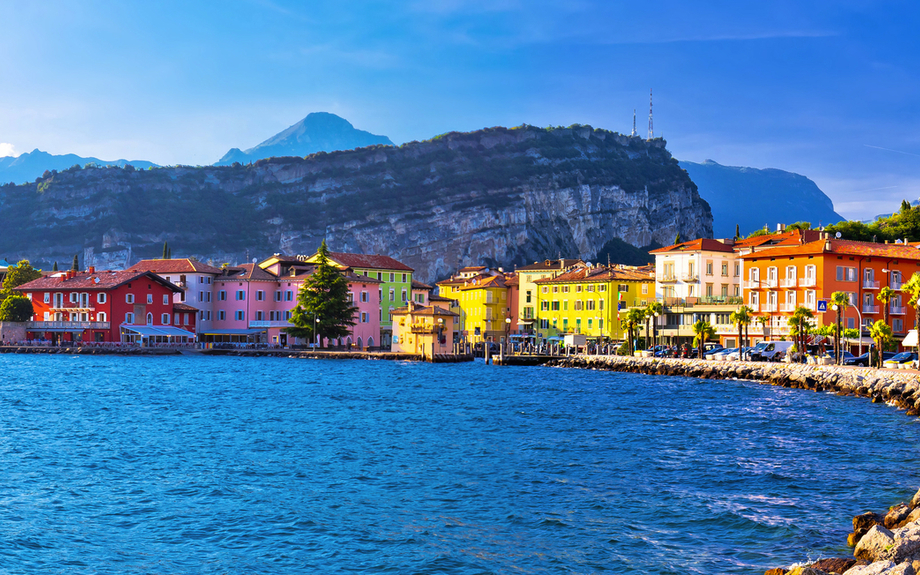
x=31, y=165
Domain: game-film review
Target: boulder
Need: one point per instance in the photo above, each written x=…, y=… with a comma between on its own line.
x=896, y=516
x=863, y=523
x=906, y=543
x=777, y=571
x=806, y=571
x=875, y=545
x=876, y=568
x=914, y=516
x=905, y=568
x=834, y=566
x=915, y=501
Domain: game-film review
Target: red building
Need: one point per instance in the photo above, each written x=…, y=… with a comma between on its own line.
x=107, y=306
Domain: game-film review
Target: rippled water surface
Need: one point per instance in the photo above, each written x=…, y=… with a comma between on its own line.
x=241, y=465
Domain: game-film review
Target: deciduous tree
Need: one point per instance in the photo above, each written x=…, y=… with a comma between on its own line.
x=16, y=275
x=16, y=308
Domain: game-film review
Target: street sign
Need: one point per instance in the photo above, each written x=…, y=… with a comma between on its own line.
x=822, y=305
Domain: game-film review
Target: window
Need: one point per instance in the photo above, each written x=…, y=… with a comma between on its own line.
x=260, y=295
x=176, y=319
x=737, y=269
x=404, y=296
x=544, y=324
x=644, y=289
x=404, y=278
x=544, y=289
x=565, y=305
x=578, y=288
x=240, y=295
x=288, y=295
x=149, y=318
x=600, y=304
x=393, y=277
x=579, y=305
x=846, y=274
x=898, y=325
x=287, y=315
x=129, y=298
x=392, y=294
x=364, y=297
x=364, y=318
x=602, y=287
x=724, y=269
x=164, y=319
x=240, y=315
x=47, y=297
x=623, y=288
x=544, y=305
x=555, y=306
x=589, y=305
x=278, y=295
x=709, y=268
x=222, y=295
x=100, y=316
x=221, y=315
x=166, y=300
x=129, y=318
x=260, y=316
x=101, y=298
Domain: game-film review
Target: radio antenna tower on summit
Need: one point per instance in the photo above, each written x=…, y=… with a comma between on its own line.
x=634, y=123
x=651, y=131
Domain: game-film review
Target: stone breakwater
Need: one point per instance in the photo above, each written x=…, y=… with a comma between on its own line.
x=897, y=387
x=884, y=543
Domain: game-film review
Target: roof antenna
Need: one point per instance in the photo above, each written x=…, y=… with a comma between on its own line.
x=634, y=123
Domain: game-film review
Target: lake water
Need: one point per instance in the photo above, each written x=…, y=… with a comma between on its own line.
x=242, y=465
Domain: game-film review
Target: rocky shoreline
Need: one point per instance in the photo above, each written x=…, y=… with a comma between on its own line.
x=897, y=387
x=884, y=543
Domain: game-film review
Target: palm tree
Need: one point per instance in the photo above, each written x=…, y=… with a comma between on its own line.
x=881, y=333
x=763, y=320
x=653, y=310
x=743, y=318
x=840, y=300
x=884, y=296
x=634, y=317
x=703, y=331
x=912, y=288
x=800, y=322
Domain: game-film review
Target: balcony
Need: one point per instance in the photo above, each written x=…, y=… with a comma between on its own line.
x=787, y=307
x=691, y=278
x=896, y=285
x=870, y=309
x=870, y=284
x=755, y=307
x=769, y=308
x=66, y=325
x=263, y=323
x=667, y=279
x=788, y=283
x=72, y=306
x=751, y=285
x=423, y=328
x=898, y=310
x=808, y=282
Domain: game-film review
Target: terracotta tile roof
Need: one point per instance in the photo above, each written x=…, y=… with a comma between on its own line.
x=435, y=297
x=360, y=278
x=792, y=237
x=472, y=269
x=602, y=274
x=485, y=282
x=424, y=310
x=419, y=285
x=184, y=307
x=177, y=266
x=841, y=247
x=550, y=265
x=512, y=279
x=369, y=261
x=698, y=245
x=100, y=280
x=247, y=272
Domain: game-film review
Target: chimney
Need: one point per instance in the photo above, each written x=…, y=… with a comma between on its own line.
x=63, y=277
x=780, y=228
x=92, y=269
x=827, y=245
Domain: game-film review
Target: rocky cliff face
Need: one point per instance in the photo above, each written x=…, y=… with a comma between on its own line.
x=498, y=196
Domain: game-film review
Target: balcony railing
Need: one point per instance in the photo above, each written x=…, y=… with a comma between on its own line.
x=755, y=307
x=423, y=328
x=266, y=323
x=870, y=284
x=787, y=307
x=896, y=285
x=808, y=282
x=667, y=279
x=898, y=310
x=73, y=306
x=751, y=284
x=769, y=308
x=788, y=283
x=691, y=278
x=73, y=325
x=870, y=309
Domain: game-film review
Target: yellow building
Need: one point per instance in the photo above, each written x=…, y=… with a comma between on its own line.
x=481, y=303
x=527, y=298
x=426, y=330
x=591, y=300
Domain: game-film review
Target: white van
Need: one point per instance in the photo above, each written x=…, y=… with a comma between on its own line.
x=770, y=350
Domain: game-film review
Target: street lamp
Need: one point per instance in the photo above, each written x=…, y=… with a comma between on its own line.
x=507, y=330
x=316, y=329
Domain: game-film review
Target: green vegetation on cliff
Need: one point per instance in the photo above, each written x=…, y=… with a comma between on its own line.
x=903, y=224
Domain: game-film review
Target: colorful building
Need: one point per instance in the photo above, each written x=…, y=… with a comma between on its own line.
x=779, y=280
x=105, y=306
x=482, y=304
x=591, y=300
x=196, y=280
x=425, y=330
x=527, y=289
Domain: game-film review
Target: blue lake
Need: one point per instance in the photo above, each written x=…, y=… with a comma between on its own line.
x=242, y=465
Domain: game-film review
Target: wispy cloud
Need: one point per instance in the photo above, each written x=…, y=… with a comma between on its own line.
x=7, y=150
x=739, y=37
x=890, y=150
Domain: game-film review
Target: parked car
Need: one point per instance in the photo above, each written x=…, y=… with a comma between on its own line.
x=901, y=360
x=710, y=349
x=722, y=354
x=770, y=350
x=845, y=356
x=863, y=359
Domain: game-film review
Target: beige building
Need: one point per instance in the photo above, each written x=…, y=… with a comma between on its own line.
x=426, y=330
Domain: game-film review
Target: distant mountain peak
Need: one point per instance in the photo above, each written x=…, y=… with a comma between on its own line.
x=318, y=132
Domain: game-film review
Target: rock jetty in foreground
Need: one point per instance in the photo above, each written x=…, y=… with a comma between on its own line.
x=900, y=388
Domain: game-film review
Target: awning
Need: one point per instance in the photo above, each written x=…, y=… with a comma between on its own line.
x=233, y=331
x=910, y=340
x=160, y=330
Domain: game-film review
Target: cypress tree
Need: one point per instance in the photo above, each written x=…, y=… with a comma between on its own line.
x=54, y=267
x=677, y=238
x=323, y=306
x=737, y=231
x=165, y=250
x=76, y=262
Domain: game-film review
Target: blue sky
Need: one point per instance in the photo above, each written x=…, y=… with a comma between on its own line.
x=826, y=89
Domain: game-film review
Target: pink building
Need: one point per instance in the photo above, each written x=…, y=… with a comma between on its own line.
x=253, y=303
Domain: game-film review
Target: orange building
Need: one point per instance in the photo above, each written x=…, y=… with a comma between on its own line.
x=780, y=279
